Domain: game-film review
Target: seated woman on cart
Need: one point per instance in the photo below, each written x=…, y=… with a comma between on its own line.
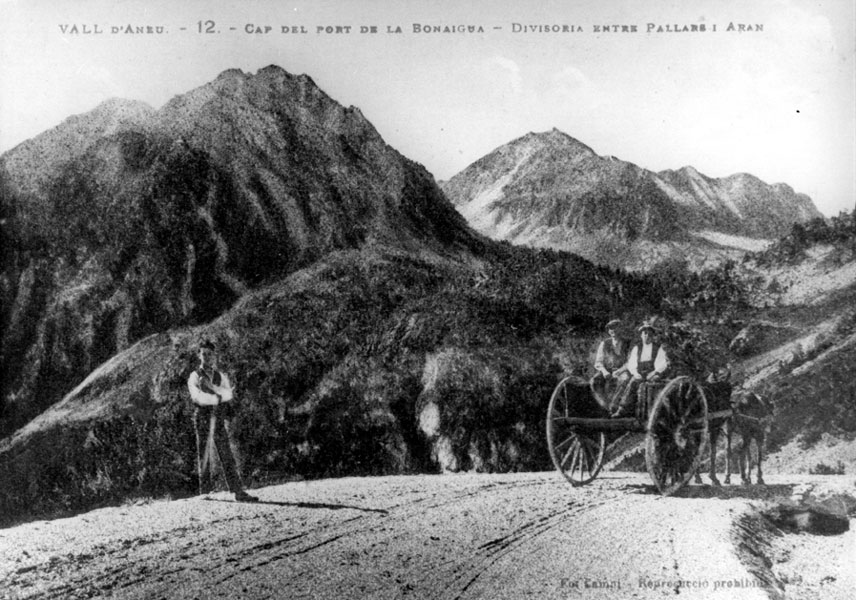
x=647, y=364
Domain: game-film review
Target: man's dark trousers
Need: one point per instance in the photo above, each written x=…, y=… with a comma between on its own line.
x=219, y=441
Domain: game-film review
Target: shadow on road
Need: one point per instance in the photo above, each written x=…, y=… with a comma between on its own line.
x=303, y=505
x=724, y=492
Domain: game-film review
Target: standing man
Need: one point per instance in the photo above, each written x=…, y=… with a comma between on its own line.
x=212, y=394
x=647, y=364
x=609, y=363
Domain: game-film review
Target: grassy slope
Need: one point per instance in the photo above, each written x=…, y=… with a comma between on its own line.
x=332, y=366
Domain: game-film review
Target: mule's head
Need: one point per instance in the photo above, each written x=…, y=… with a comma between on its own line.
x=720, y=375
x=749, y=403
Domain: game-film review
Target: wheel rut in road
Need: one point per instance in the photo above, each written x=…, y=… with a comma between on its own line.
x=455, y=577
x=218, y=551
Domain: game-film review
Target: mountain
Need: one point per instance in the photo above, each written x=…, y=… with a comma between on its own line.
x=344, y=289
x=126, y=221
x=739, y=204
x=30, y=165
x=550, y=190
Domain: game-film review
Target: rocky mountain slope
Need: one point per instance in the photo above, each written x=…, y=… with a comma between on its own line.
x=550, y=190
x=125, y=221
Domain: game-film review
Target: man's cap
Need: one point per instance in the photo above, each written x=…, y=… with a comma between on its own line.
x=648, y=324
x=612, y=324
x=207, y=345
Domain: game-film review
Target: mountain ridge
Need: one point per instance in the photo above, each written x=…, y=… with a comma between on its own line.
x=546, y=189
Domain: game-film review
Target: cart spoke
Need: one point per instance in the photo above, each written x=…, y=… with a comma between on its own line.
x=573, y=451
x=692, y=408
x=559, y=418
x=676, y=434
x=584, y=460
x=576, y=451
x=593, y=452
x=668, y=409
x=567, y=440
x=575, y=460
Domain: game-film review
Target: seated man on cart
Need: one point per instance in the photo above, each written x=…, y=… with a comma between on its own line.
x=647, y=364
x=612, y=374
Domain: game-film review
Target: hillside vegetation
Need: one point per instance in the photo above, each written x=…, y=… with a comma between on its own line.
x=333, y=365
x=377, y=361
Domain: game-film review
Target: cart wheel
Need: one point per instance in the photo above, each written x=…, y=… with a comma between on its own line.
x=576, y=452
x=677, y=434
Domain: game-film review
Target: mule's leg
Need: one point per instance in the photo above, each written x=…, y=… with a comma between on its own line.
x=744, y=461
x=759, y=440
x=714, y=436
x=728, y=426
x=697, y=474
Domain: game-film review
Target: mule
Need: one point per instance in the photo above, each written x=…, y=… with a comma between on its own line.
x=718, y=390
x=749, y=419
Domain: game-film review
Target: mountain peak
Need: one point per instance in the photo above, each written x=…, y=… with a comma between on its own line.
x=121, y=105
x=550, y=189
x=743, y=178
x=555, y=138
x=230, y=74
x=269, y=74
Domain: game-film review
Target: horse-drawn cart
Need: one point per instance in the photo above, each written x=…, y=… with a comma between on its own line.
x=673, y=416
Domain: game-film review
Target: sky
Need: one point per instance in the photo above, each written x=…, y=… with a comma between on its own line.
x=779, y=102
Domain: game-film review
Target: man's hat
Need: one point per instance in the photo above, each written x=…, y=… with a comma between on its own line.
x=648, y=324
x=612, y=324
x=207, y=345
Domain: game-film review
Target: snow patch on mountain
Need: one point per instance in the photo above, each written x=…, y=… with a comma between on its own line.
x=733, y=241
x=478, y=211
x=672, y=193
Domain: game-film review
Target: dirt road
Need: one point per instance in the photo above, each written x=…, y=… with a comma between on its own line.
x=427, y=537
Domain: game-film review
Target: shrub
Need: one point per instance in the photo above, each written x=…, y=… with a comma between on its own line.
x=824, y=469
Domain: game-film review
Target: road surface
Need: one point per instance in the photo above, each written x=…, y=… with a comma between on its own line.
x=514, y=536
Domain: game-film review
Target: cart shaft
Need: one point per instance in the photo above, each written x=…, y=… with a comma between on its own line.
x=618, y=424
